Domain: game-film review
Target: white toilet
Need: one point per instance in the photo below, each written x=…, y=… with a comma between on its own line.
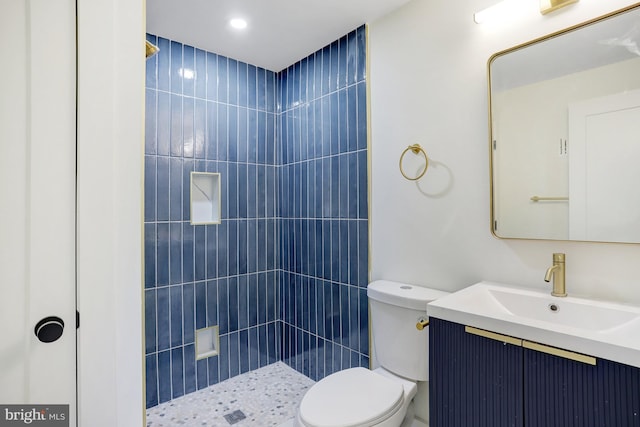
x=358, y=397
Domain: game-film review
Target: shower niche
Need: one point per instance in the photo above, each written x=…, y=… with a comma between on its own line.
x=205, y=198
x=207, y=342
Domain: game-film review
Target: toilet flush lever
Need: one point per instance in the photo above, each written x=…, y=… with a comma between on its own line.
x=422, y=323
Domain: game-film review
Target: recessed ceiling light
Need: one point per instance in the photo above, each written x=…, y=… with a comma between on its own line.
x=238, y=23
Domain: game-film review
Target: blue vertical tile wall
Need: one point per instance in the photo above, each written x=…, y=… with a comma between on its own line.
x=203, y=112
x=284, y=275
x=324, y=213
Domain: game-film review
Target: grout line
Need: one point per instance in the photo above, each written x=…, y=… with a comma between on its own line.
x=247, y=163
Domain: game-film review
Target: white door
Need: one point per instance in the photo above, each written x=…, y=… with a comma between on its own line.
x=604, y=149
x=37, y=202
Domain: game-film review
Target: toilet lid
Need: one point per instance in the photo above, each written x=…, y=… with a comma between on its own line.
x=353, y=397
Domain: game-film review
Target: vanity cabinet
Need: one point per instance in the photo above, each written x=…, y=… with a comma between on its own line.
x=563, y=392
x=494, y=381
x=473, y=381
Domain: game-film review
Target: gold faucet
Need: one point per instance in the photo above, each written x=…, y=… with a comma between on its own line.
x=557, y=271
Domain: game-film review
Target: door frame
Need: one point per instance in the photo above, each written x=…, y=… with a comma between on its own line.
x=110, y=133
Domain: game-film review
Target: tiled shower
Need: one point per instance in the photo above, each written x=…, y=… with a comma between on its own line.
x=284, y=274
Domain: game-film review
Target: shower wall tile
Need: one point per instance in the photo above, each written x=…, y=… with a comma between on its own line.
x=177, y=372
x=150, y=338
x=188, y=71
x=150, y=175
x=190, y=372
x=222, y=73
x=200, y=74
x=201, y=305
x=188, y=307
x=176, y=124
x=162, y=319
x=175, y=298
x=212, y=76
x=188, y=134
x=224, y=362
x=150, y=134
x=208, y=113
x=163, y=65
x=151, y=78
x=200, y=128
x=175, y=72
x=232, y=83
x=202, y=374
x=324, y=209
x=284, y=275
x=149, y=255
x=164, y=377
x=162, y=180
x=239, y=305
x=175, y=189
x=213, y=369
x=162, y=123
x=151, y=380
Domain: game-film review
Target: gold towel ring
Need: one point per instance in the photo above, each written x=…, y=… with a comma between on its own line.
x=415, y=149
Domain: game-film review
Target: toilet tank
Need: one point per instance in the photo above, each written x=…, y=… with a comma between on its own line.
x=398, y=345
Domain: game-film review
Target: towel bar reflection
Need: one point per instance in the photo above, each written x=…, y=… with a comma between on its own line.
x=415, y=149
x=542, y=199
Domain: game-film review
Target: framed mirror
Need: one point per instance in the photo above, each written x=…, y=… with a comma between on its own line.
x=565, y=134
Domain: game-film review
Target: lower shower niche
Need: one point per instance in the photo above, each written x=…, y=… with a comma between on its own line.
x=205, y=198
x=207, y=342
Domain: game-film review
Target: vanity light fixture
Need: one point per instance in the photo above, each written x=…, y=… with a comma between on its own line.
x=238, y=23
x=547, y=6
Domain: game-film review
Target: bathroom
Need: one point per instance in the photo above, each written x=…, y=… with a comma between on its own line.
x=436, y=57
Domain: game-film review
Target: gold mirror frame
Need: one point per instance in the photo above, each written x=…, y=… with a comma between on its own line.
x=536, y=198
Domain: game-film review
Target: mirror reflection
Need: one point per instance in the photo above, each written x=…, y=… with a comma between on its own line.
x=565, y=134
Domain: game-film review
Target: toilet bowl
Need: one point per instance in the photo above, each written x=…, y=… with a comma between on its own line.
x=359, y=397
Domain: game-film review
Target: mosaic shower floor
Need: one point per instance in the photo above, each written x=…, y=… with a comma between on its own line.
x=266, y=397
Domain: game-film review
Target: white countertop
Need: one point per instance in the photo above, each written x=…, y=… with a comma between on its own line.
x=596, y=328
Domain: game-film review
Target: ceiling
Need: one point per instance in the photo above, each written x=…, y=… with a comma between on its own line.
x=279, y=32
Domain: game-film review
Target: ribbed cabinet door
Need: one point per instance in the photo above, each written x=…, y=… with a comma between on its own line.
x=474, y=381
x=563, y=393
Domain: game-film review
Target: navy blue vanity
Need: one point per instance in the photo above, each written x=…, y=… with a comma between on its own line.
x=493, y=381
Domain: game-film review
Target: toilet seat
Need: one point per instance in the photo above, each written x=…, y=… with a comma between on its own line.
x=350, y=398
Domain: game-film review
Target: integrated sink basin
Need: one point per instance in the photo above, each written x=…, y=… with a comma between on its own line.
x=572, y=312
x=596, y=328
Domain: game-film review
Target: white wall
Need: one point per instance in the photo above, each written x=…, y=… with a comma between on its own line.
x=428, y=80
x=110, y=147
x=429, y=85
